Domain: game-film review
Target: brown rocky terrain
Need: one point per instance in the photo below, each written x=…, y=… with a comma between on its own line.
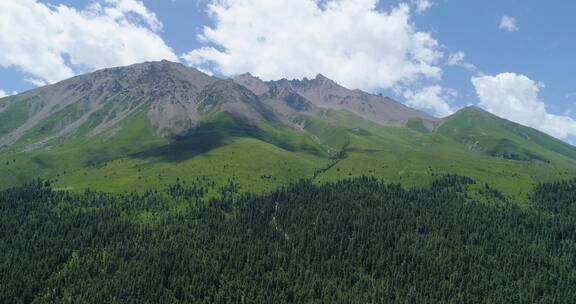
x=177, y=98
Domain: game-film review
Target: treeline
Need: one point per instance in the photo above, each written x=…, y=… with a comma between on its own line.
x=353, y=241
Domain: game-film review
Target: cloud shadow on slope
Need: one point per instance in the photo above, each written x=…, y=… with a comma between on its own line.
x=212, y=135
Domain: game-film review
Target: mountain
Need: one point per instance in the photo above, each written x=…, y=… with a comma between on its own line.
x=148, y=125
x=175, y=98
x=483, y=131
x=324, y=93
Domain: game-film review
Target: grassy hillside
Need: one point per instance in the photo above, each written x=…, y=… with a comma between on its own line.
x=482, y=131
x=133, y=159
x=261, y=157
x=416, y=158
x=12, y=115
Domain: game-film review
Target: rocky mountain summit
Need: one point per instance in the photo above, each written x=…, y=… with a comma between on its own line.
x=323, y=93
x=177, y=98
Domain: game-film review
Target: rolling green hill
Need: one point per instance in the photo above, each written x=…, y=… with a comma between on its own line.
x=103, y=134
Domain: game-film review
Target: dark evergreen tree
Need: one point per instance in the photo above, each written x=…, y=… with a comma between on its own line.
x=353, y=241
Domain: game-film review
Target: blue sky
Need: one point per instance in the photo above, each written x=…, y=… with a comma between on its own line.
x=512, y=58
x=542, y=48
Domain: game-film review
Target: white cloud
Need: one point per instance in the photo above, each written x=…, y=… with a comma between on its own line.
x=508, y=24
x=35, y=81
x=515, y=97
x=55, y=42
x=422, y=5
x=122, y=9
x=431, y=98
x=6, y=94
x=457, y=59
x=350, y=41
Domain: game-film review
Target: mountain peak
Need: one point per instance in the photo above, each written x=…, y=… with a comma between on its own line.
x=147, y=75
x=252, y=83
x=322, y=78
x=159, y=65
x=324, y=81
x=247, y=75
x=165, y=90
x=162, y=63
x=473, y=110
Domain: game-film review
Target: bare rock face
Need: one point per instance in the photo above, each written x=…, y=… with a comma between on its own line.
x=254, y=84
x=177, y=98
x=324, y=93
x=166, y=90
x=232, y=98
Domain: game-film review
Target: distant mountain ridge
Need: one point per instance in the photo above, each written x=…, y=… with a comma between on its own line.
x=178, y=98
x=324, y=93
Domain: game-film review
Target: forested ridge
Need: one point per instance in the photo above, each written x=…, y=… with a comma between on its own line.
x=354, y=241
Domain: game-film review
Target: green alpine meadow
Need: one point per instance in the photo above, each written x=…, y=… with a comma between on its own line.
x=149, y=125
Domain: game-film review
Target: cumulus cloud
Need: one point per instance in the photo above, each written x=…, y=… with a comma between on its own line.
x=431, y=98
x=516, y=97
x=350, y=41
x=3, y=93
x=457, y=59
x=51, y=43
x=422, y=5
x=122, y=9
x=508, y=24
x=35, y=81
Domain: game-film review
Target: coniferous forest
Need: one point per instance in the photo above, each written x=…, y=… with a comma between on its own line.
x=354, y=241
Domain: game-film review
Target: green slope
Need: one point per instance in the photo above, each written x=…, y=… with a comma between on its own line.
x=261, y=157
x=482, y=131
x=12, y=115
x=416, y=158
